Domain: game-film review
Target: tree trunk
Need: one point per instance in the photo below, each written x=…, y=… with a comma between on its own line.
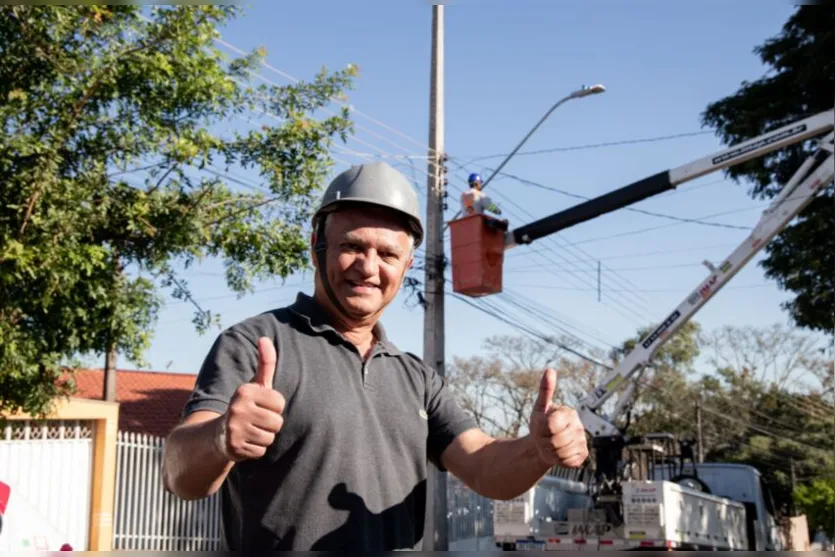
x=110, y=373
x=109, y=393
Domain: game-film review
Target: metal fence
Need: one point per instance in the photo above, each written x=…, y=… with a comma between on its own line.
x=49, y=467
x=147, y=517
x=469, y=515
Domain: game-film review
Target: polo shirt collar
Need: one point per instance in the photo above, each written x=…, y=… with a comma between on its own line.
x=319, y=321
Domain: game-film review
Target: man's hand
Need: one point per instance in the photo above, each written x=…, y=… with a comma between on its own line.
x=254, y=415
x=556, y=431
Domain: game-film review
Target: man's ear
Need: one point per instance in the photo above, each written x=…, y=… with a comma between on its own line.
x=313, y=257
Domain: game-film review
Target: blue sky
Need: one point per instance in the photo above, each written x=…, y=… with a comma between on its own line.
x=506, y=64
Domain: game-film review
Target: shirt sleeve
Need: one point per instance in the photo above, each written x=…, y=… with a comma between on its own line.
x=232, y=361
x=447, y=420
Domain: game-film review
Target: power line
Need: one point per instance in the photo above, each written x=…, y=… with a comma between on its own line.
x=590, y=146
x=620, y=280
x=763, y=430
x=707, y=408
x=552, y=287
x=516, y=253
x=554, y=241
x=711, y=410
x=619, y=269
x=531, y=332
x=651, y=228
x=724, y=213
x=634, y=209
x=296, y=80
x=535, y=308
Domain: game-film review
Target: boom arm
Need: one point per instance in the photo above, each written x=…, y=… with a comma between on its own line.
x=816, y=172
x=669, y=179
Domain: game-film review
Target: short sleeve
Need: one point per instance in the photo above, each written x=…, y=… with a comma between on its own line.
x=447, y=420
x=232, y=361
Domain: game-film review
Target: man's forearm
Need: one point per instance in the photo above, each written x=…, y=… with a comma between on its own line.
x=508, y=468
x=193, y=464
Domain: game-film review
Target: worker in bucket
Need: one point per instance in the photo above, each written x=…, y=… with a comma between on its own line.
x=317, y=429
x=476, y=202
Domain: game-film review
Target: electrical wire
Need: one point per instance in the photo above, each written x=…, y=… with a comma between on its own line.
x=497, y=315
x=588, y=146
x=638, y=308
x=623, y=281
x=351, y=107
x=706, y=408
x=636, y=255
x=646, y=290
x=619, y=269
x=635, y=209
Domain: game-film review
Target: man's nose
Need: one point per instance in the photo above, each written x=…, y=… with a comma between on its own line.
x=367, y=263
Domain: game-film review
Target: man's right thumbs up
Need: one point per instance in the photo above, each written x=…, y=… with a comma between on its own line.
x=547, y=387
x=254, y=416
x=556, y=431
x=266, y=363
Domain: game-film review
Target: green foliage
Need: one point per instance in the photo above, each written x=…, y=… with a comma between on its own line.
x=88, y=93
x=665, y=389
x=800, y=82
x=817, y=501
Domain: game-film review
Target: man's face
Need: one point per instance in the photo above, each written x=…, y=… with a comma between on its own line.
x=368, y=255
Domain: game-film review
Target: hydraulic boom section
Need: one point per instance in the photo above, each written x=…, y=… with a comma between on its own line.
x=669, y=179
x=814, y=174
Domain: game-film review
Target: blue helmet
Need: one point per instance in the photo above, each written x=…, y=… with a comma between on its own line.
x=474, y=177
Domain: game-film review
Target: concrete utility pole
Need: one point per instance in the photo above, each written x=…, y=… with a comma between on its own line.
x=700, y=446
x=435, y=534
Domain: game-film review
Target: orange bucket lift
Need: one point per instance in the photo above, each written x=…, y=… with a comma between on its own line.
x=478, y=245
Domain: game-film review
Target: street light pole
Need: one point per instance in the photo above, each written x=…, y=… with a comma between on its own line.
x=579, y=93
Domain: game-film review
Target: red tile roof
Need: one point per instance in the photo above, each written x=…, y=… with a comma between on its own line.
x=150, y=401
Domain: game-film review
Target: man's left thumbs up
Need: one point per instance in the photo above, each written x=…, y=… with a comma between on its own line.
x=556, y=431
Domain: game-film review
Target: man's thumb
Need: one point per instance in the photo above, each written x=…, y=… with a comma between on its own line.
x=266, y=363
x=547, y=386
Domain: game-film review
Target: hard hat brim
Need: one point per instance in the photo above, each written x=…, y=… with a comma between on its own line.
x=414, y=225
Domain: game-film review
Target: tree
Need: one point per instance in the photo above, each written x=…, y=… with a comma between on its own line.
x=665, y=400
x=817, y=500
x=499, y=389
x=90, y=93
x=762, y=406
x=773, y=355
x=800, y=82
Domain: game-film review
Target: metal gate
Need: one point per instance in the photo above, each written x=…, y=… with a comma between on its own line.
x=147, y=516
x=48, y=465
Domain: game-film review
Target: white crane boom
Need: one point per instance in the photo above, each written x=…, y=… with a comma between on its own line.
x=815, y=173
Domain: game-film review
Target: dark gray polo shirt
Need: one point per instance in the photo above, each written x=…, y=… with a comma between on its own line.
x=348, y=469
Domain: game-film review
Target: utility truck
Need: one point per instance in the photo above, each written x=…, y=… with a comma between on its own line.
x=645, y=492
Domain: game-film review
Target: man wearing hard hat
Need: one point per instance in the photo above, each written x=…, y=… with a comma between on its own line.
x=317, y=429
x=474, y=201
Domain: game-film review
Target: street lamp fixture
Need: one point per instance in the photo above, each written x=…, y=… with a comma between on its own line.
x=586, y=91
x=579, y=93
